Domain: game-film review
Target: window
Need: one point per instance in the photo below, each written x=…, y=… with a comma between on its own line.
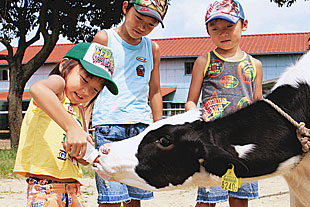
x=171, y=108
x=4, y=75
x=188, y=67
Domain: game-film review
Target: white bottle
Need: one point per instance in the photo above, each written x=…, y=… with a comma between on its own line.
x=91, y=154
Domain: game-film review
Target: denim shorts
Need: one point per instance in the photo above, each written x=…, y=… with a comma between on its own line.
x=114, y=192
x=215, y=194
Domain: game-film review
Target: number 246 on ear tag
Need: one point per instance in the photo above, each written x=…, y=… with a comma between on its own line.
x=230, y=181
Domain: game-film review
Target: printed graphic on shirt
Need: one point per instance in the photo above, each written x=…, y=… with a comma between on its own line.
x=215, y=68
x=245, y=101
x=69, y=108
x=71, y=111
x=141, y=59
x=62, y=155
x=215, y=106
x=229, y=81
x=246, y=72
x=140, y=70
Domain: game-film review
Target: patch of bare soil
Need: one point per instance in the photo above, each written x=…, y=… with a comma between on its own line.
x=272, y=192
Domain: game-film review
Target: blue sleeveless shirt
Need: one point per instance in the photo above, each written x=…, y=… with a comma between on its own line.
x=133, y=67
x=227, y=85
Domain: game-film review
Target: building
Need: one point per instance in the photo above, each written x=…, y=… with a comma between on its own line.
x=275, y=51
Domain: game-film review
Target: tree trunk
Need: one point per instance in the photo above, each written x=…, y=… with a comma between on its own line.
x=15, y=116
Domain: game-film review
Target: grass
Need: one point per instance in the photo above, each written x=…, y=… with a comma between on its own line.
x=7, y=161
x=88, y=171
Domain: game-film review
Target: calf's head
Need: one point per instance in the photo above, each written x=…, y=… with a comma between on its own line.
x=169, y=154
x=173, y=153
x=178, y=150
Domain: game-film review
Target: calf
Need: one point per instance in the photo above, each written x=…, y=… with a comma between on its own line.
x=184, y=150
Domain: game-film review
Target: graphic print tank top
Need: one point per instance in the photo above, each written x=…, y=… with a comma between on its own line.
x=227, y=85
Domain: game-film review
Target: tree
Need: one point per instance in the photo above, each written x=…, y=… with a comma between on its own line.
x=78, y=20
x=283, y=2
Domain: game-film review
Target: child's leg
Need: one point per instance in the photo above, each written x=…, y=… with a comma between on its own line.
x=236, y=202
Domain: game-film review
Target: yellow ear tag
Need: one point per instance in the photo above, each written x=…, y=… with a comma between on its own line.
x=230, y=181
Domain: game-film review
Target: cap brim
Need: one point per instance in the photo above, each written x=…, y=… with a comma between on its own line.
x=226, y=17
x=94, y=70
x=149, y=12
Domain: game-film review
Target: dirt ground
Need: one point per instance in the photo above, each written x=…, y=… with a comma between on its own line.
x=273, y=193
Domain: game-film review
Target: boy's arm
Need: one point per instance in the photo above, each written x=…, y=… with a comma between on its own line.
x=156, y=101
x=101, y=37
x=196, y=82
x=258, y=90
x=47, y=94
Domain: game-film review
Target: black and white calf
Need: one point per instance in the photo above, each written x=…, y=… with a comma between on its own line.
x=185, y=151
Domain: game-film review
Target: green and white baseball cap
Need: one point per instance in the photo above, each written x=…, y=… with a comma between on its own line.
x=96, y=59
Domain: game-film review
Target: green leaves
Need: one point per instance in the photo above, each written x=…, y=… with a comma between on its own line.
x=287, y=3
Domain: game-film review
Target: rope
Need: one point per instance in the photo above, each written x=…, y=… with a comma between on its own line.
x=302, y=132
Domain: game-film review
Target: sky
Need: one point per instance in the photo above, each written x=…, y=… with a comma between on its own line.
x=185, y=18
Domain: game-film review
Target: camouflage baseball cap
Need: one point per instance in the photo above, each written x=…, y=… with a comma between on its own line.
x=156, y=9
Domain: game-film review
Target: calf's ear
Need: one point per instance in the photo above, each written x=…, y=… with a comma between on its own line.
x=217, y=161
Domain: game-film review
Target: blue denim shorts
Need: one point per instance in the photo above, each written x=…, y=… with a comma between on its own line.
x=215, y=194
x=114, y=192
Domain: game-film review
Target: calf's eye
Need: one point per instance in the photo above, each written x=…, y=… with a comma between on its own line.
x=164, y=142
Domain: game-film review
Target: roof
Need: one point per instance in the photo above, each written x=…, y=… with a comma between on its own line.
x=59, y=51
x=253, y=44
x=280, y=43
x=4, y=96
x=166, y=91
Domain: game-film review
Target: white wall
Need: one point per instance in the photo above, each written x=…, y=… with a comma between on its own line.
x=41, y=73
x=172, y=74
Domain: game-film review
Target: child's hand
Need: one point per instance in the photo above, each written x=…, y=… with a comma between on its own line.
x=76, y=142
x=84, y=160
x=205, y=117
